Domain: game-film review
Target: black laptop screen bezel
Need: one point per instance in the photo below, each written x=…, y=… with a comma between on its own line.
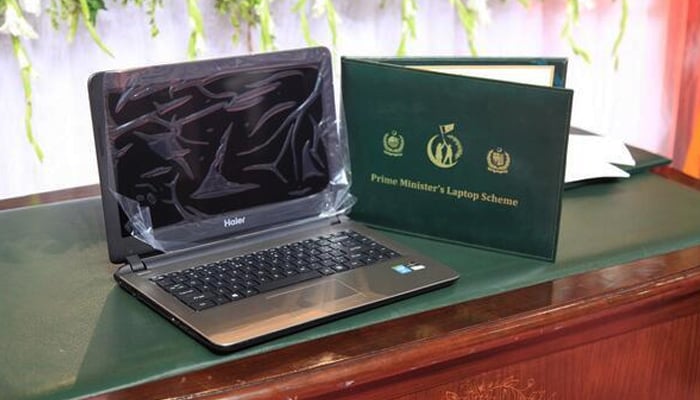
x=119, y=246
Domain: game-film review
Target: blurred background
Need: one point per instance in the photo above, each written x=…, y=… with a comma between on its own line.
x=634, y=64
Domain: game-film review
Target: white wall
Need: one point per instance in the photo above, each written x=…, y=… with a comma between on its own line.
x=628, y=103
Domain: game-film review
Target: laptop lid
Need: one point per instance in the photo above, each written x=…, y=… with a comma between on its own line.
x=194, y=152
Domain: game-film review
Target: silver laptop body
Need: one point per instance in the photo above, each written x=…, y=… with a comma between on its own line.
x=225, y=193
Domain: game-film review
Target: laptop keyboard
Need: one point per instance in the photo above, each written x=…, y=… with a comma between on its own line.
x=209, y=285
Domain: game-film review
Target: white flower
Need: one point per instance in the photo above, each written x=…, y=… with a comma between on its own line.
x=31, y=6
x=410, y=10
x=14, y=24
x=481, y=9
x=587, y=4
x=318, y=8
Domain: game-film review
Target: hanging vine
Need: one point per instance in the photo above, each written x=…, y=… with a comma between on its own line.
x=409, y=9
x=241, y=14
x=74, y=11
x=151, y=7
x=194, y=17
x=302, y=9
x=572, y=18
x=244, y=17
x=620, y=33
x=14, y=23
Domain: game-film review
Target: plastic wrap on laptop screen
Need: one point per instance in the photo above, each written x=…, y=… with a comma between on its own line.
x=208, y=149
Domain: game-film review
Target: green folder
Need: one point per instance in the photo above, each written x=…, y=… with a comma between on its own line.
x=468, y=160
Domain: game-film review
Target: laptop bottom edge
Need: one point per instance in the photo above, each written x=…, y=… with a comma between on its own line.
x=218, y=349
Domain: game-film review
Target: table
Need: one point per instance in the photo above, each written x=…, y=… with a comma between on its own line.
x=617, y=316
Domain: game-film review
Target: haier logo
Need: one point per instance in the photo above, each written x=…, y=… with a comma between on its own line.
x=231, y=222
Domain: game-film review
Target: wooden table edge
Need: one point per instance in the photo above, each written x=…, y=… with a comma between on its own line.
x=351, y=364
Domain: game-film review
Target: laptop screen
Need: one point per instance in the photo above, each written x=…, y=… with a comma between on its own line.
x=207, y=142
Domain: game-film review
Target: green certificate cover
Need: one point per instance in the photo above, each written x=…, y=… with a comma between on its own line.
x=464, y=159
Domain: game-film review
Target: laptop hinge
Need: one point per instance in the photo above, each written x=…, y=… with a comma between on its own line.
x=135, y=263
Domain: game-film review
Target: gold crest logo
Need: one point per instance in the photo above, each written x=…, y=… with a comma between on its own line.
x=393, y=144
x=444, y=149
x=498, y=161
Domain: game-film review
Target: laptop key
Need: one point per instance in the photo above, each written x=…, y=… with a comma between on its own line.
x=222, y=299
x=202, y=305
x=235, y=296
x=277, y=275
x=194, y=297
x=327, y=271
x=290, y=280
x=250, y=283
x=175, y=287
x=368, y=260
x=185, y=292
x=164, y=281
x=231, y=279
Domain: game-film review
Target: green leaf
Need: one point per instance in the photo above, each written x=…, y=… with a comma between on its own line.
x=579, y=51
x=73, y=27
x=267, y=38
x=85, y=9
x=468, y=19
x=300, y=8
x=151, y=8
x=94, y=6
x=572, y=17
x=408, y=24
x=332, y=17
x=575, y=10
x=197, y=26
x=231, y=8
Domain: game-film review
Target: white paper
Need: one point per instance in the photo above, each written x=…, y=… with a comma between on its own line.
x=591, y=156
x=541, y=75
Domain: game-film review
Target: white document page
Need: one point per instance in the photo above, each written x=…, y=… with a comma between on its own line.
x=541, y=75
x=590, y=157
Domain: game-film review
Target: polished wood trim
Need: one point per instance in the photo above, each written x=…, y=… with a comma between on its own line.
x=51, y=197
x=404, y=355
x=677, y=176
x=653, y=362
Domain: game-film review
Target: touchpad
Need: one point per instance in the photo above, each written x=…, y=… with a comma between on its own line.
x=324, y=296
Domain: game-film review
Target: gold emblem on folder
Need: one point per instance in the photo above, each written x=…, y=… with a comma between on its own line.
x=498, y=161
x=393, y=144
x=444, y=149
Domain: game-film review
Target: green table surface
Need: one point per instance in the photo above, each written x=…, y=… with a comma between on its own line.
x=68, y=331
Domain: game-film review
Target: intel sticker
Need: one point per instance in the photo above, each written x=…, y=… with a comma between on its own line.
x=402, y=269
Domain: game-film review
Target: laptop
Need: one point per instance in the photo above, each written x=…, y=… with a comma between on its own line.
x=225, y=195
